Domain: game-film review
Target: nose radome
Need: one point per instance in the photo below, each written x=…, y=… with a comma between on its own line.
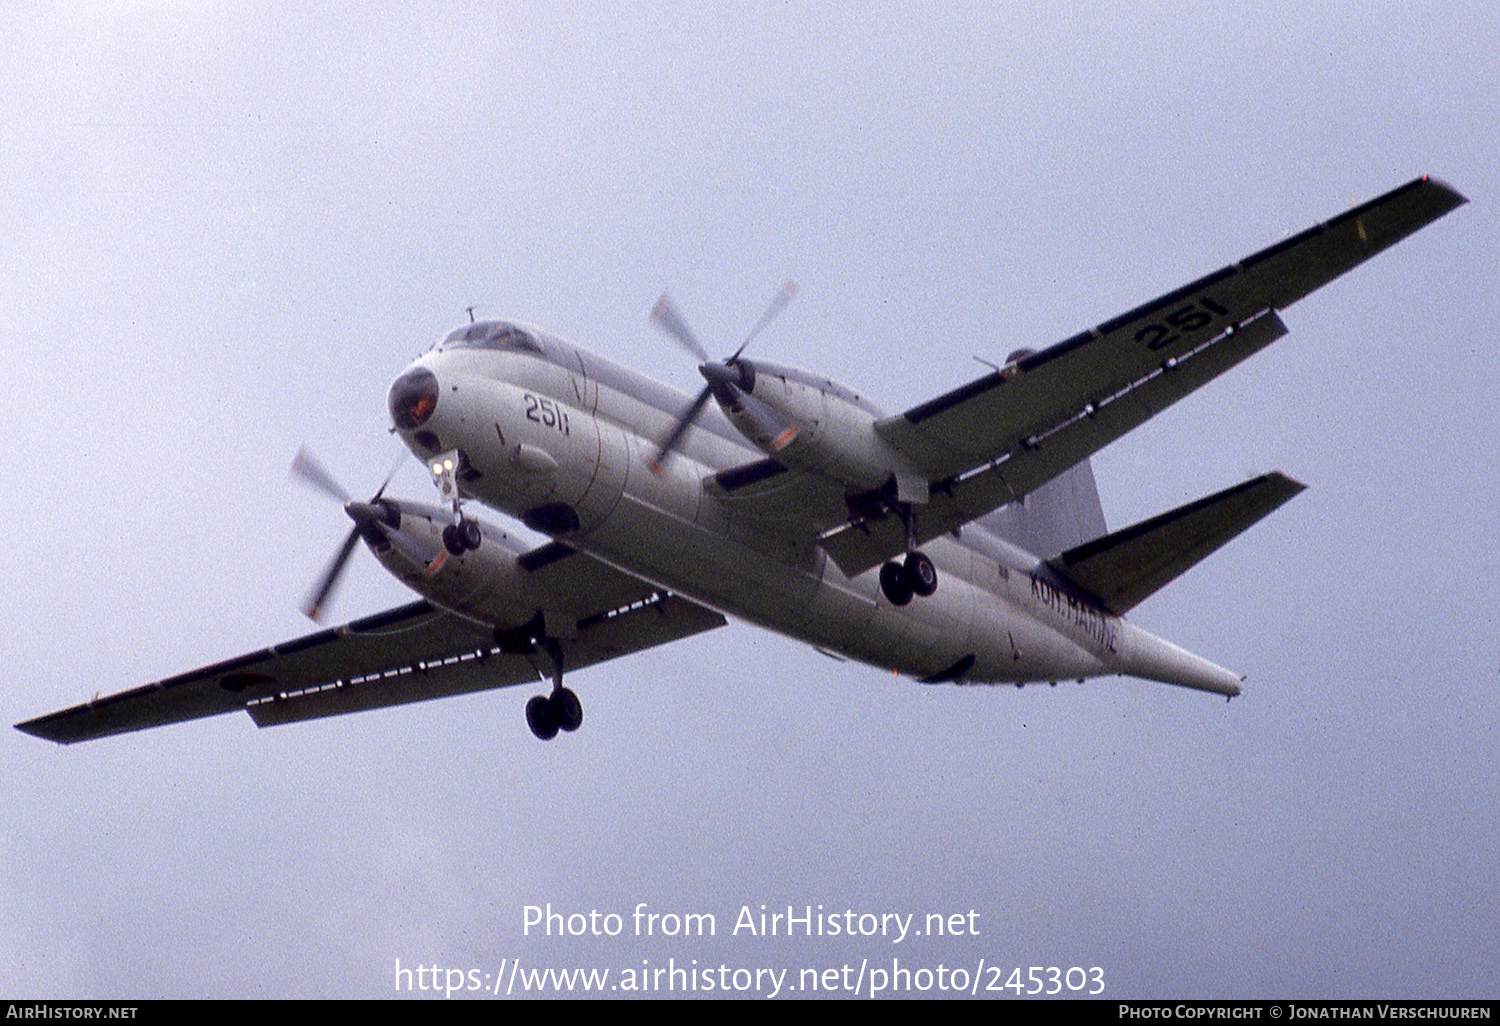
x=412, y=398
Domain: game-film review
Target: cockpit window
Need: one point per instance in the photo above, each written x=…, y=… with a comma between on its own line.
x=493, y=335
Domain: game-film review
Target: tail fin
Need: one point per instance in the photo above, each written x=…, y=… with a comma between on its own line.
x=1122, y=569
x=1060, y=514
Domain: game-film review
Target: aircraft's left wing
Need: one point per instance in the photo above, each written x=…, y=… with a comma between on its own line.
x=1000, y=437
x=1019, y=406
x=409, y=654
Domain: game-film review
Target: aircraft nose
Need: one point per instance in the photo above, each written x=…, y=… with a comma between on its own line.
x=412, y=398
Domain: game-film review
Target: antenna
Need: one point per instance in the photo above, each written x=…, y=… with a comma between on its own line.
x=471, y=313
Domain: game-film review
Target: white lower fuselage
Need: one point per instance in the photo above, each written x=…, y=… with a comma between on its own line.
x=574, y=432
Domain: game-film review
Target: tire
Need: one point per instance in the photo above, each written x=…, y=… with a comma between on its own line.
x=921, y=575
x=453, y=541
x=567, y=710
x=540, y=718
x=470, y=533
x=894, y=584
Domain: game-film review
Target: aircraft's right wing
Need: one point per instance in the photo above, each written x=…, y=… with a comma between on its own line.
x=409, y=654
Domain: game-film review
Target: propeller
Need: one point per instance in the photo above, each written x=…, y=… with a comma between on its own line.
x=371, y=517
x=729, y=380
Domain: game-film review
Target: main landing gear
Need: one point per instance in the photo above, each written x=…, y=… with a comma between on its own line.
x=547, y=714
x=915, y=575
x=463, y=534
x=560, y=710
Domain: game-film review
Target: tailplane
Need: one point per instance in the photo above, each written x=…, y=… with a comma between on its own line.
x=1122, y=569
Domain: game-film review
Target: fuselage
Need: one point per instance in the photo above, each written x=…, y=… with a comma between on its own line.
x=562, y=439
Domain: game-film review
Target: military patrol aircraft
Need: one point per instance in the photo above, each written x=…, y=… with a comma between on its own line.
x=958, y=541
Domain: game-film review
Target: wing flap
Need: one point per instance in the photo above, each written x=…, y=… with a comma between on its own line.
x=857, y=547
x=642, y=625
x=408, y=654
x=1094, y=426
x=1124, y=568
x=362, y=647
x=993, y=415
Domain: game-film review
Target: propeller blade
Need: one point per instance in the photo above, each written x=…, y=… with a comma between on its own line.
x=390, y=477
x=726, y=378
x=679, y=429
x=778, y=303
x=366, y=516
x=309, y=471
x=665, y=316
x=314, y=606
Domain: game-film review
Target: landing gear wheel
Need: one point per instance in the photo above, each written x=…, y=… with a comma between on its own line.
x=541, y=718
x=567, y=710
x=453, y=540
x=920, y=573
x=461, y=537
x=894, y=583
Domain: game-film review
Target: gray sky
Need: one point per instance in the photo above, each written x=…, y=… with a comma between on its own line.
x=228, y=226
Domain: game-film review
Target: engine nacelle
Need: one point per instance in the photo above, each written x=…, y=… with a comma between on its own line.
x=487, y=584
x=826, y=429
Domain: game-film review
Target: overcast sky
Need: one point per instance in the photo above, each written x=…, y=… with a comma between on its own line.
x=226, y=227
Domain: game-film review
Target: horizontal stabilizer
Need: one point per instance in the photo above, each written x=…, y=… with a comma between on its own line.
x=1122, y=569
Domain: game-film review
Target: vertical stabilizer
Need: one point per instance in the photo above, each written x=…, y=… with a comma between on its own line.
x=1061, y=514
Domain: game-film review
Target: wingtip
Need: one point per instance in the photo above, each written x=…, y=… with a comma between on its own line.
x=1453, y=196
x=1289, y=483
x=36, y=728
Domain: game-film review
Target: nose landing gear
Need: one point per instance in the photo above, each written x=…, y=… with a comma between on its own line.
x=462, y=536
